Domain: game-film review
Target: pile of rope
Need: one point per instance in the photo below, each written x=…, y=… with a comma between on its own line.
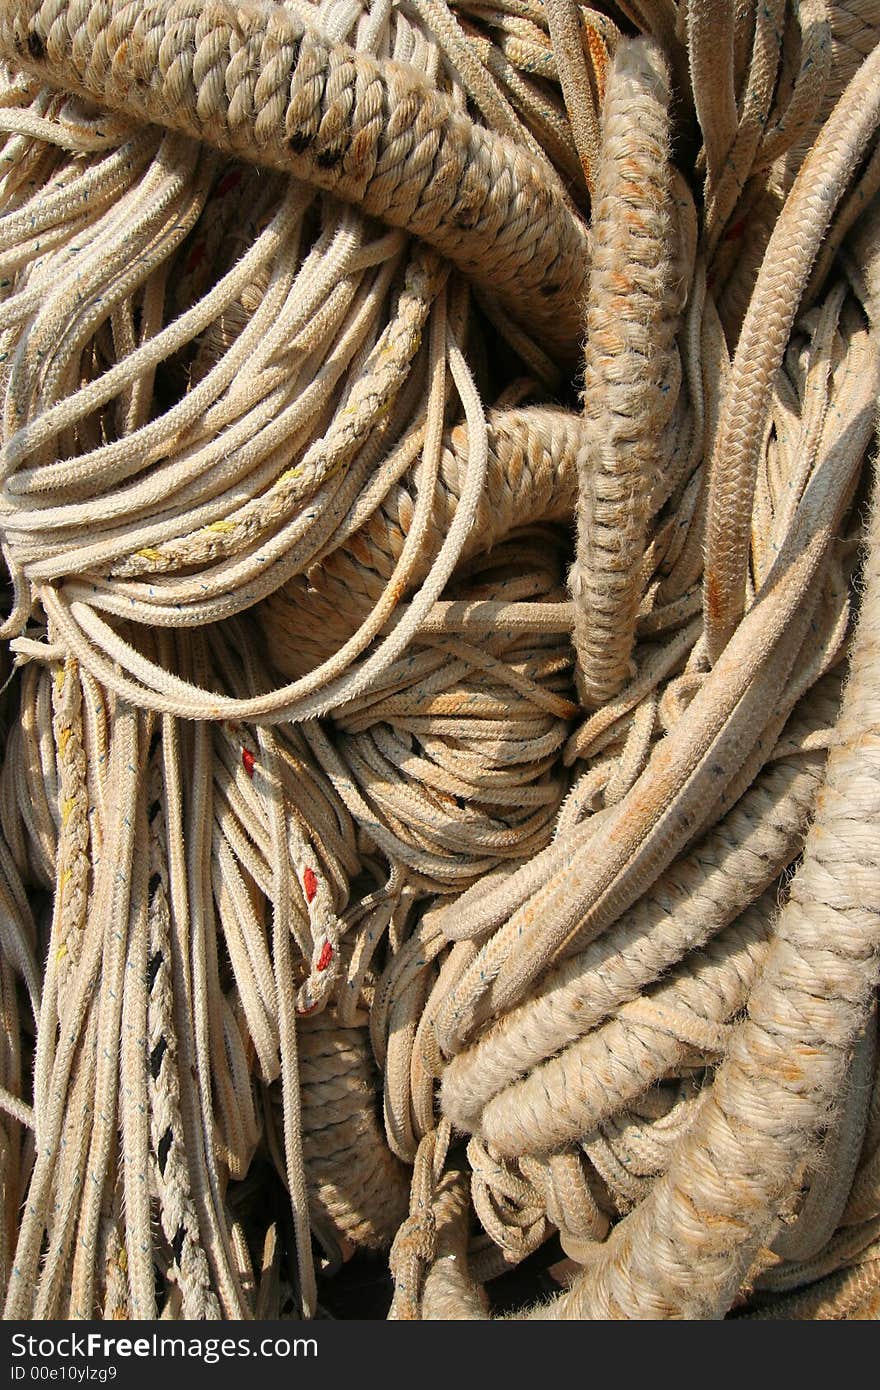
x=440, y=788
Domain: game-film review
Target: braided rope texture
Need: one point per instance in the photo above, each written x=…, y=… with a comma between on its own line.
x=254, y=81
x=437, y=817
x=629, y=376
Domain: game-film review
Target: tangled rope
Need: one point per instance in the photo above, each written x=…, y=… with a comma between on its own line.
x=439, y=817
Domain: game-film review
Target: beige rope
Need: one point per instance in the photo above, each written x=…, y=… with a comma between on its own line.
x=695, y=896
x=352, y=1176
x=786, y=265
x=630, y=371
x=410, y=174
x=759, y=1077
x=319, y=834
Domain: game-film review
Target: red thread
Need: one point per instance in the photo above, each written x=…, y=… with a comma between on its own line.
x=249, y=761
x=325, y=957
x=736, y=230
x=310, y=884
x=196, y=256
x=228, y=182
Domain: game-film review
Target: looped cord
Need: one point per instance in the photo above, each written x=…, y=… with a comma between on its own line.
x=436, y=819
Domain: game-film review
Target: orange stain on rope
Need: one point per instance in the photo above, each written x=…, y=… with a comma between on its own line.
x=713, y=599
x=599, y=58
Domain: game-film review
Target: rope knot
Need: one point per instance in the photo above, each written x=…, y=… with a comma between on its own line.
x=415, y=1240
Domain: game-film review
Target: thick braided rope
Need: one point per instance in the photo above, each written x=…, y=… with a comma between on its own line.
x=851, y=1294
x=855, y=30
x=630, y=366
x=352, y=1176
x=252, y=80
x=696, y=896
x=219, y=1024
x=526, y=924
x=786, y=1063
x=648, y=1038
x=788, y=261
x=729, y=712
x=831, y=1182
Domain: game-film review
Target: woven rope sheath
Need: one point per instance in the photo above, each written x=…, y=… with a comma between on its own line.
x=520, y=911
x=253, y=81
x=787, y=1062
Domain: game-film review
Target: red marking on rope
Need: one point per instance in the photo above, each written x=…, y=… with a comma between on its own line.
x=736, y=231
x=228, y=182
x=310, y=884
x=249, y=762
x=196, y=256
x=310, y=1010
x=325, y=957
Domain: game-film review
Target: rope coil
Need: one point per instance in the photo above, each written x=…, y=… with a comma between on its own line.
x=436, y=818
